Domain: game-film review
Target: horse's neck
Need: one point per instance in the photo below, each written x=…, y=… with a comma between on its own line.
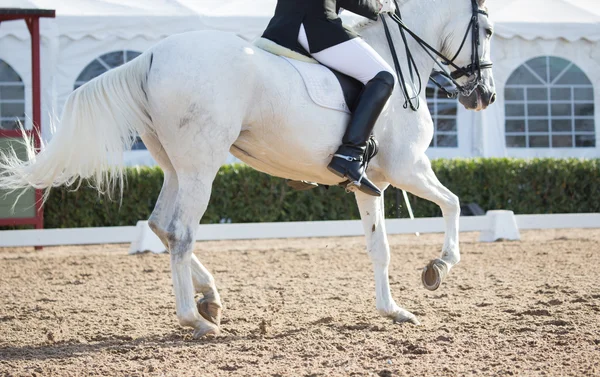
x=422, y=17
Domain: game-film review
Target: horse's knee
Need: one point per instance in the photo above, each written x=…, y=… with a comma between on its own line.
x=452, y=205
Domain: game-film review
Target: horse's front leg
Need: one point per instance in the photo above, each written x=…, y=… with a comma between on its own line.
x=373, y=220
x=419, y=179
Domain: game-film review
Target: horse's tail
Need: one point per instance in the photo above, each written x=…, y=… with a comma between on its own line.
x=99, y=122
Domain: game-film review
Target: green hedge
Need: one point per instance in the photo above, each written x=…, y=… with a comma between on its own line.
x=242, y=194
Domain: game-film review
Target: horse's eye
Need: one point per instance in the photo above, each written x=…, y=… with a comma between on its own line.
x=489, y=33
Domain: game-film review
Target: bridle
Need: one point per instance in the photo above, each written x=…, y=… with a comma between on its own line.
x=471, y=70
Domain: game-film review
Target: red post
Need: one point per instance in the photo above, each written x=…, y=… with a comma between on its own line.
x=31, y=18
x=33, y=24
x=34, y=28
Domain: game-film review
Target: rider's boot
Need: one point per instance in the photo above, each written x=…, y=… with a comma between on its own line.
x=372, y=149
x=349, y=160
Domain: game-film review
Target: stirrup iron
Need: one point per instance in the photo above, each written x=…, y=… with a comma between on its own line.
x=354, y=186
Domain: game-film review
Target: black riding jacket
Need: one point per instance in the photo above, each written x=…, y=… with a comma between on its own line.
x=321, y=22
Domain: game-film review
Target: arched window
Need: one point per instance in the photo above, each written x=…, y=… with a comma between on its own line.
x=549, y=104
x=443, y=111
x=103, y=64
x=12, y=98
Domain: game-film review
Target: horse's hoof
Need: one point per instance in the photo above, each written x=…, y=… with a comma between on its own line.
x=206, y=330
x=210, y=311
x=406, y=317
x=433, y=274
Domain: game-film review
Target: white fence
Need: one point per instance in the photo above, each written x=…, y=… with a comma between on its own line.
x=496, y=224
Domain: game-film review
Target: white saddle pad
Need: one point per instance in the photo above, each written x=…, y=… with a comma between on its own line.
x=322, y=85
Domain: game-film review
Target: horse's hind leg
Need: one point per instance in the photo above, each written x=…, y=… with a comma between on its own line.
x=210, y=305
x=373, y=220
x=189, y=206
x=421, y=181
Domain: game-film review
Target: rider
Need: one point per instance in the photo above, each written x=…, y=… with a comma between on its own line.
x=313, y=26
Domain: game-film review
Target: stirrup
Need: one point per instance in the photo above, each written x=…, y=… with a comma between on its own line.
x=353, y=186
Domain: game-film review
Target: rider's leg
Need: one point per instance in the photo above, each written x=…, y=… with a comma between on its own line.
x=357, y=59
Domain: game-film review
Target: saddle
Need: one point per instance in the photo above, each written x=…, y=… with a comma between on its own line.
x=326, y=87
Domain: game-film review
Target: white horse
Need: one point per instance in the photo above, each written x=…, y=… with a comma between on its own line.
x=193, y=97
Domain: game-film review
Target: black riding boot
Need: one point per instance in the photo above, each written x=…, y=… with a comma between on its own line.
x=349, y=160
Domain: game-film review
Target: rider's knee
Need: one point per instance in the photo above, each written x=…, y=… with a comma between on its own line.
x=389, y=78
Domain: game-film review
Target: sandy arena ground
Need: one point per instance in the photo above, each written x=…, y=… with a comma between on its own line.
x=307, y=308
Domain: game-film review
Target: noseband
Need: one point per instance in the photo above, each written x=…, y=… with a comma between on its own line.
x=471, y=70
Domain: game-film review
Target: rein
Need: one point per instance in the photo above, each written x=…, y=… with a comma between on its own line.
x=440, y=60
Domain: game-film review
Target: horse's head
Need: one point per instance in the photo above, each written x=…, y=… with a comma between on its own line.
x=461, y=40
x=467, y=46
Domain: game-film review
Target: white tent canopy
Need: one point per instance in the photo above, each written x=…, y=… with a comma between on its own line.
x=155, y=19
x=150, y=19
x=547, y=19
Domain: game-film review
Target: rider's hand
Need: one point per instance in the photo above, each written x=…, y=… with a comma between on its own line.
x=387, y=6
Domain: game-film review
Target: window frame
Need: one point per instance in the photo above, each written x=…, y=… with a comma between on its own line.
x=23, y=101
x=101, y=60
x=433, y=103
x=138, y=144
x=549, y=116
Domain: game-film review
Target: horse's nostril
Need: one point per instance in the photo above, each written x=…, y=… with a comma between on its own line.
x=493, y=98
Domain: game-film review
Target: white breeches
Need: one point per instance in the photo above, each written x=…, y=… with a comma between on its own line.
x=355, y=58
